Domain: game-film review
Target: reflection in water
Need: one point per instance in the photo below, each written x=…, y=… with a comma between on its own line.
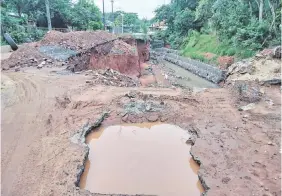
x=141, y=159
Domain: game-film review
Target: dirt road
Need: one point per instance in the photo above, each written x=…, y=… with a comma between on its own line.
x=42, y=110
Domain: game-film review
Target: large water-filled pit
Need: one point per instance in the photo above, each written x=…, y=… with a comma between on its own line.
x=147, y=158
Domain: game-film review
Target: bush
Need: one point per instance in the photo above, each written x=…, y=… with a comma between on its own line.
x=94, y=25
x=175, y=41
x=198, y=57
x=252, y=36
x=22, y=34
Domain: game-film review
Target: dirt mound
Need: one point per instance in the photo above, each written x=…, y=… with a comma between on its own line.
x=81, y=50
x=26, y=55
x=127, y=38
x=32, y=54
x=79, y=41
x=142, y=46
x=116, y=55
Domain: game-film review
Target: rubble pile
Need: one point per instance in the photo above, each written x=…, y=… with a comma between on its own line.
x=27, y=55
x=110, y=77
x=263, y=67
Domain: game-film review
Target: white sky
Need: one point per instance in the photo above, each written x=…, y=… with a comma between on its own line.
x=144, y=8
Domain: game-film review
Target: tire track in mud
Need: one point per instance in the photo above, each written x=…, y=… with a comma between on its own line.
x=19, y=143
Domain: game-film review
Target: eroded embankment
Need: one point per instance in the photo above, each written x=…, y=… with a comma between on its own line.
x=80, y=138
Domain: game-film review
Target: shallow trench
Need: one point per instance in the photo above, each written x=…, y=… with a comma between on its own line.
x=94, y=131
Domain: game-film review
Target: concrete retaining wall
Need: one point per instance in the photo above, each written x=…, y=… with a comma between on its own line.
x=203, y=70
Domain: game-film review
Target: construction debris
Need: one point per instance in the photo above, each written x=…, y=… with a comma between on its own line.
x=262, y=67
x=111, y=77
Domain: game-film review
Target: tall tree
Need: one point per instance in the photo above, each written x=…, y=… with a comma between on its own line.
x=48, y=15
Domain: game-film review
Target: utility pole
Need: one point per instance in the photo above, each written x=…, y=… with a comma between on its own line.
x=122, y=23
x=112, y=1
x=104, y=20
x=113, y=17
x=48, y=15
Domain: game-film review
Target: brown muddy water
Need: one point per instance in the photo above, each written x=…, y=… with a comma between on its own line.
x=149, y=159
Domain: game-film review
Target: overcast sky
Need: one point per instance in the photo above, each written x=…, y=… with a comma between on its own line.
x=144, y=8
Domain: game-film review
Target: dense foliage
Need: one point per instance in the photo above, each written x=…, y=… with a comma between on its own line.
x=17, y=15
x=247, y=25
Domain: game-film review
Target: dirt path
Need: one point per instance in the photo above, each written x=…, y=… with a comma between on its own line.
x=41, y=111
x=28, y=106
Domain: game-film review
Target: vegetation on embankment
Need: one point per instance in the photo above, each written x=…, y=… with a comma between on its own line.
x=207, y=48
x=221, y=27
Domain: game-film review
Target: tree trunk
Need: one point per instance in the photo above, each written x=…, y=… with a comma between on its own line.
x=251, y=9
x=19, y=11
x=260, y=10
x=48, y=15
x=273, y=16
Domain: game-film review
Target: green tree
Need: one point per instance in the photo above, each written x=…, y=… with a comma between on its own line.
x=251, y=24
x=84, y=15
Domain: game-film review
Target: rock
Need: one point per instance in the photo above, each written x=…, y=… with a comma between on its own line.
x=148, y=107
x=259, y=55
x=277, y=52
x=124, y=118
x=274, y=81
x=17, y=69
x=164, y=118
x=131, y=94
x=152, y=117
x=270, y=143
x=133, y=119
x=5, y=68
x=41, y=64
x=269, y=102
x=242, y=67
x=225, y=180
x=11, y=66
x=248, y=91
x=247, y=107
x=277, y=70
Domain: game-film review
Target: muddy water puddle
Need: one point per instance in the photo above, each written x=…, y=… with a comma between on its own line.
x=149, y=159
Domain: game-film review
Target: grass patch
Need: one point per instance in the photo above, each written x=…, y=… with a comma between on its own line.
x=196, y=45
